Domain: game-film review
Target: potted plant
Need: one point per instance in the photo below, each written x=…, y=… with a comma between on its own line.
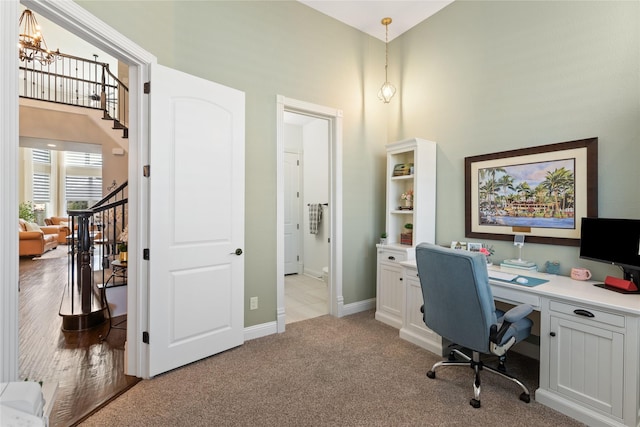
x=122, y=249
x=26, y=212
x=383, y=238
x=406, y=238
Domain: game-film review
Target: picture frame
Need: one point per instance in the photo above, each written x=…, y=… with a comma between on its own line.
x=458, y=245
x=542, y=192
x=474, y=246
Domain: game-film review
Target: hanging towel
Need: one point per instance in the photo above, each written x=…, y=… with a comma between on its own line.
x=315, y=217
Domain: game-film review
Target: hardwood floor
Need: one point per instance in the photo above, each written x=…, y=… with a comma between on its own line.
x=305, y=297
x=89, y=372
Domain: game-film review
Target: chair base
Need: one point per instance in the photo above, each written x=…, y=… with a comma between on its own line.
x=476, y=364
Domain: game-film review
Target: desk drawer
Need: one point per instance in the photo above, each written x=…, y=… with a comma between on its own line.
x=386, y=255
x=515, y=297
x=587, y=313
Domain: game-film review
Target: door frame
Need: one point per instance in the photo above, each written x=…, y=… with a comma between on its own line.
x=83, y=24
x=334, y=116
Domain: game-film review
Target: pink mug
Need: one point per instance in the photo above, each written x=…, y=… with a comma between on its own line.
x=580, y=274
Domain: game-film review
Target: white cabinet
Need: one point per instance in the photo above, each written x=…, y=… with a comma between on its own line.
x=419, y=156
x=413, y=327
x=390, y=289
x=588, y=374
x=414, y=163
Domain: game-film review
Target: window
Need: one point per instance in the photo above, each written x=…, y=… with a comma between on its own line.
x=41, y=182
x=83, y=179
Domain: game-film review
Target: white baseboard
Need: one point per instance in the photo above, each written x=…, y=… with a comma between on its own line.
x=357, y=307
x=269, y=328
x=261, y=330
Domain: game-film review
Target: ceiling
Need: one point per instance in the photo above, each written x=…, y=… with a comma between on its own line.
x=365, y=15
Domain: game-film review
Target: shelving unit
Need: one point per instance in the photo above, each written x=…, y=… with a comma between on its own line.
x=422, y=180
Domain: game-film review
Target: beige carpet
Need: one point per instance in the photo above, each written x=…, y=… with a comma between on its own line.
x=353, y=371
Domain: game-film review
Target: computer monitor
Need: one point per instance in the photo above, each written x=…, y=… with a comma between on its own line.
x=613, y=241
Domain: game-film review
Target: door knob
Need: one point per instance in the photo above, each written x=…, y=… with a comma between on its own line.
x=237, y=252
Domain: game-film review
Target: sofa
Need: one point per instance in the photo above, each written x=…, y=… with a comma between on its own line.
x=34, y=240
x=62, y=223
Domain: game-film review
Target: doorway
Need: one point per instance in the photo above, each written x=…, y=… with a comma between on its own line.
x=78, y=21
x=331, y=243
x=306, y=216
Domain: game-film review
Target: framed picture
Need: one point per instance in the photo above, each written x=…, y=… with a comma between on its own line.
x=474, y=247
x=542, y=192
x=459, y=245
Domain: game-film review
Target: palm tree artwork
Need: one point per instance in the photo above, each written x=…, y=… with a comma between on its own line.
x=538, y=194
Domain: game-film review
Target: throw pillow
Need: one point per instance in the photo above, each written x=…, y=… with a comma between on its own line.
x=63, y=224
x=32, y=226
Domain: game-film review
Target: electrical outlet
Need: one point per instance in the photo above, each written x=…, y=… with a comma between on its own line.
x=253, y=303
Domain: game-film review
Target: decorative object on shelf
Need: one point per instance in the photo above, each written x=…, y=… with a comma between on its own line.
x=31, y=44
x=387, y=90
x=383, y=238
x=552, y=267
x=403, y=169
x=406, y=238
x=407, y=196
x=541, y=191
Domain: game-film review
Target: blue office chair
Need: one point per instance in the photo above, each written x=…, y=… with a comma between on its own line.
x=458, y=305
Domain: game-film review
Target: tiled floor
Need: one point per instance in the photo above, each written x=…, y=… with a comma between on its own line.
x=305, y=297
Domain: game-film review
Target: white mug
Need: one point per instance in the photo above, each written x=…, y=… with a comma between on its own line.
x=580, y=274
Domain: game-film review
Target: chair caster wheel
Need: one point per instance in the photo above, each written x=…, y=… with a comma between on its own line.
x=431, y=374
x=525, y=397
x=475, y=403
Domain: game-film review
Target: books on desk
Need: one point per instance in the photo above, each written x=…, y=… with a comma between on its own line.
x=519, y=264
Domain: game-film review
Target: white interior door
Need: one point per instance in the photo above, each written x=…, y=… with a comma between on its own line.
x=196, y=234
x=291, y=212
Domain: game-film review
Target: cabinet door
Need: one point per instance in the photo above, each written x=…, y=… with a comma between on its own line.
x=586, y=364
x=391, y=292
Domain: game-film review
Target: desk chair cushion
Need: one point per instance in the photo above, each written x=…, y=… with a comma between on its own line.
x=458, y=303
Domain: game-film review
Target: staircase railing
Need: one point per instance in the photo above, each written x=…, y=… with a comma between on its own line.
x=76, y=81
x=93, y=245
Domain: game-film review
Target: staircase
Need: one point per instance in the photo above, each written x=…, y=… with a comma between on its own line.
x=99, y=234
x=79, y=82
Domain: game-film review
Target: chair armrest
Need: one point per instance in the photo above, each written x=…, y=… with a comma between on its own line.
x=50, y=229
x=518, y=312
x=30, y=235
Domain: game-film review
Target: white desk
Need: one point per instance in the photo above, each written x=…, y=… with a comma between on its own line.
x=589, y=362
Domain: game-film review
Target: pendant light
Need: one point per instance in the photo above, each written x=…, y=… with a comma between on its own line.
x=387, y=90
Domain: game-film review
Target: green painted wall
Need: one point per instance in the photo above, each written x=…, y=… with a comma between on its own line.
x=478, y=77
x=268, y=48
x=486, y=76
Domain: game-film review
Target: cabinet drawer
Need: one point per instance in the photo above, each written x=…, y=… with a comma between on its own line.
x=386, y=255
x=587, y=313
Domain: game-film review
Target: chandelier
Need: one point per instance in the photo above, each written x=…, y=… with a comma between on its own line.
x=387, y=90
x=31, y=44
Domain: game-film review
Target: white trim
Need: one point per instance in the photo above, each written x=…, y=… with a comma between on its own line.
x=334, y=117
x=270, y=328
x=78, y=21
x=259, y=331
x=360, y=306
x=9, y=131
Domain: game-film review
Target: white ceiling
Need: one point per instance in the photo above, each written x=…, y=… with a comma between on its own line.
x=365, y=15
